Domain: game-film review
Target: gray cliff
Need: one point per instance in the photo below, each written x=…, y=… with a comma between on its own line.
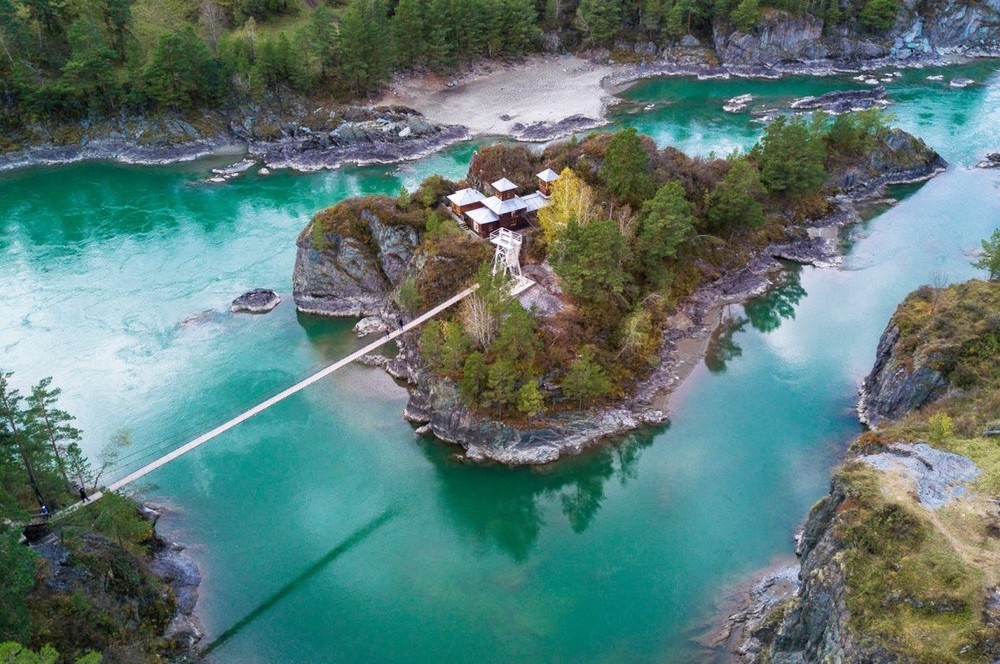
x=897, y=384
x=920, y=31
x=338, y=274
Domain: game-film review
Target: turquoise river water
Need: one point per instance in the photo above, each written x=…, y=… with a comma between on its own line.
x=328, y=532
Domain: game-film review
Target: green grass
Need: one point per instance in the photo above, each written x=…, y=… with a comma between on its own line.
x=917, y=577
x=908, y=589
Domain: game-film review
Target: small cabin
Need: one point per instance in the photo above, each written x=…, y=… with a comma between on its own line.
x=464, y=200
x=545, y=180
x=505, y=189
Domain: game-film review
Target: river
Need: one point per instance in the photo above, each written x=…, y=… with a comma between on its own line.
x=327, y=531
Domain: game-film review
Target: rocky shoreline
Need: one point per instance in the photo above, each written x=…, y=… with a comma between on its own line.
x=298, y=140
x=307, y=141
x=181, y=574
x=803, y=612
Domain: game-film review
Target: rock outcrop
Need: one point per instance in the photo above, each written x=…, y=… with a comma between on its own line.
x=897, y=384
x=435, y=406
x=351, y=272
x=901, y=158
x=863, y=546
x=920, y=31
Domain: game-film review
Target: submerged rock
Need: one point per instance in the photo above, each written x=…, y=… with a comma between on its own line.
x=548, y=131
x=230, y=172
x=737, y=104
x=992, y=160
x=844, y=101
x=257, y=301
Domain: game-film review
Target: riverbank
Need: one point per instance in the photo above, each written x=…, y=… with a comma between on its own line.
x=538, y=99
x=299, y=135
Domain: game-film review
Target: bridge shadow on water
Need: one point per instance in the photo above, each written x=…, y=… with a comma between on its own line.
x=352, y=540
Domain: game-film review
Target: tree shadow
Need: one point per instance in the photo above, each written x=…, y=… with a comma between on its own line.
x=506, y=507
x=722, y=347
x=766, y=313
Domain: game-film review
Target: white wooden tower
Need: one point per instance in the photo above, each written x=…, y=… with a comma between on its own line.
x=507, y=258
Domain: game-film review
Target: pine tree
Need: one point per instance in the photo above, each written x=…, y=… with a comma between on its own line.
x=790, y=157
x=474, y=378
x=516, y=340
x=599, y=20
x=990, y=259
x=12, y=420
x=88, y=78
x=746, y=15
x=117, y=15
x=408, y=30
x=529, y=399
x=879, y=14
x=52, y=424
x=181, y=72
x=626, y=168
x=735, y=201
x=367, y=46
x=666, y=222
x=589, y=260
x=585, y=380
x=501, y=385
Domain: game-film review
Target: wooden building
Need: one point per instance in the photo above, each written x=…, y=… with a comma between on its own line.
x=545, y=180
x=504, y=209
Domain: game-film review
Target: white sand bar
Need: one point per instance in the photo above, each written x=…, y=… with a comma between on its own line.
x=546, y=88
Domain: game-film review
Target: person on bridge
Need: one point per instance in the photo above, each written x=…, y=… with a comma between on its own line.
x=45, y=512
x=83, y=495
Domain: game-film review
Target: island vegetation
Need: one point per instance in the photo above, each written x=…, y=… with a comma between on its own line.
x=83, y=592
x=630, y=232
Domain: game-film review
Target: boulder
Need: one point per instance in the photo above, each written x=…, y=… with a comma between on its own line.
x=257, y=301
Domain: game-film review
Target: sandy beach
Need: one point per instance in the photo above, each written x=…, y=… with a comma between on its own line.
x=546, y=89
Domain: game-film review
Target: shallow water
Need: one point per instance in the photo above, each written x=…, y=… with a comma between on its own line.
x=328, y=532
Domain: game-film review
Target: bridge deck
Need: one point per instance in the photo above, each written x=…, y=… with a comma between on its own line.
x=277, y=398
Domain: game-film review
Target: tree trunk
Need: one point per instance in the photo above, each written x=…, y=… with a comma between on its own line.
x=55, y=447
x=24, y=455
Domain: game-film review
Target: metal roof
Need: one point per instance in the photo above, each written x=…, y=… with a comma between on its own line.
x=505, y=207
x=466, y=196
x=534, y=201
x=548, y=175
x=482, y=216
x=503, y=184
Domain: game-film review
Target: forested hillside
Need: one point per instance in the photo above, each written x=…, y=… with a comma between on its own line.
x=71, y=59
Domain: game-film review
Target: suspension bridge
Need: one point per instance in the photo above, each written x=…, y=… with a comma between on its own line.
x=505, y=261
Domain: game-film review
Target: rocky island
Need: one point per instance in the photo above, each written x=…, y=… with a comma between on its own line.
x=632, y=260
